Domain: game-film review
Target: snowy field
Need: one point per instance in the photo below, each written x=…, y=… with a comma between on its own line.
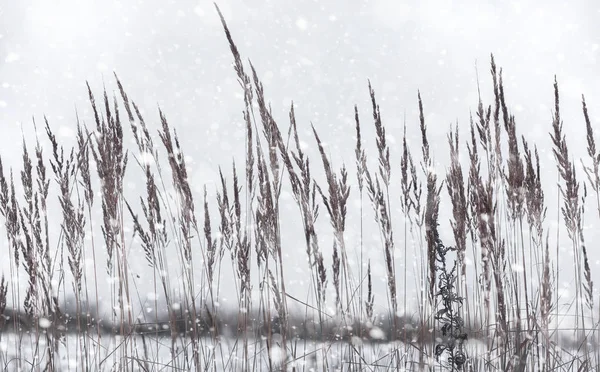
x=151, y=354
x=417, y=160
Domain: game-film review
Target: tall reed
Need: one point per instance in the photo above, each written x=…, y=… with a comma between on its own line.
x=493, y=280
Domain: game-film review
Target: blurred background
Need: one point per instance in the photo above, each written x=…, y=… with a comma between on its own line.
x=320, y=54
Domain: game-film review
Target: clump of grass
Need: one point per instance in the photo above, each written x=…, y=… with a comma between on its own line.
x=495, y=282
x=572, y=212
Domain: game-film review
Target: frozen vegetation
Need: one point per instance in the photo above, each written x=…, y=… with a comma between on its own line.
x=487, y=294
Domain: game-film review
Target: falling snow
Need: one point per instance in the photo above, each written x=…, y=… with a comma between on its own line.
x=320, y=56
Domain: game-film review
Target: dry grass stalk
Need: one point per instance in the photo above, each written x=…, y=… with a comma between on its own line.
x=73, y=227
x=498, y=103
x=456, y=190
x=268, y=240
x=111, y=162
x=455, y=184
x=407, y=183
x=3, y=301
x=40, y=301
x=432, y=204
x=306, y=195
x=593, y=175
x=245, y=240
x=382, y=147
x=187, y=225
x=478, y=207
x=376, y=196
x=9, y=209
x=154, y=238
x=336, y=205
x=380, y=201
x=534, y=194
x=546, y=300
x=361, y=156
x=515, y=177
x=593, y=172
x=370, y=296
x=569, y=190
x=481, y=198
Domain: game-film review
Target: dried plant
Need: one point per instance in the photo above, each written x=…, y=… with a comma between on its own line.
x=432, y=204
x=456, y=189
x=380, y=201
x=448, y=313
x=336, y=205
x=477, y=293
x=571, y=209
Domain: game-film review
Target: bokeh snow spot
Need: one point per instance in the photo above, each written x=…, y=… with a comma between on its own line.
x=301, y=23
x=377, y=333
x=45, y=323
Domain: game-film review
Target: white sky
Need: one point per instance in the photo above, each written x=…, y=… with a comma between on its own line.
x=318, y=53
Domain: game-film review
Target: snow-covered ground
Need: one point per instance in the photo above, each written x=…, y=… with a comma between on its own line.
x=226, y=356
